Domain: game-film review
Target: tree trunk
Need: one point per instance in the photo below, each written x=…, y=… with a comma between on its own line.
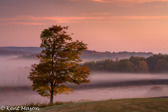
x=51, y=92
x=51, y=97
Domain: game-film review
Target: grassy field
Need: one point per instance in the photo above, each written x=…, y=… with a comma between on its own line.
x=122, y=105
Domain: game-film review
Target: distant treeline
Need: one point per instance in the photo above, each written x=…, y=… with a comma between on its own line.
x=153, y=64
x=95, y=55
x=31, y=52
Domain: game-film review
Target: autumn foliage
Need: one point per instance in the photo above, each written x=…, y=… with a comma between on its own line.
x=59, y=63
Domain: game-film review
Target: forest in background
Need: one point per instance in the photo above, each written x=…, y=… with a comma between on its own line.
x=153, y=64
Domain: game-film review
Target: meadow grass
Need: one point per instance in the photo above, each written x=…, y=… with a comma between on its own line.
x=121, y=105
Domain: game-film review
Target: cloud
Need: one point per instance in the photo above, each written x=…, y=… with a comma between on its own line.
x=33, y=20
x=128, y=1
x=139, y=17
x=62, y=19
x=27, y=23
x=85, y=18
x=8, y=19
x=102, y=1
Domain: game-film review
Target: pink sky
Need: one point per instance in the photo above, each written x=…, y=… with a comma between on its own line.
x=105, y=25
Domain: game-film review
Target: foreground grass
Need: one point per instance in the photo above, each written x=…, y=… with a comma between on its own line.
x=123, y=105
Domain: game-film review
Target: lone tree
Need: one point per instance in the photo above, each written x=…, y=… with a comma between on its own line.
x=59, y=63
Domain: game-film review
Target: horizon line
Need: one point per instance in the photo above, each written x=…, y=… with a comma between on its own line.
x=87, y=49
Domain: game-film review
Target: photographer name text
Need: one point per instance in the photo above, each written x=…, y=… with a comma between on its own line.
x=17, y=108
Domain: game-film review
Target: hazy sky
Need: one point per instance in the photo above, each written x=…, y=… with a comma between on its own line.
x=105, y=25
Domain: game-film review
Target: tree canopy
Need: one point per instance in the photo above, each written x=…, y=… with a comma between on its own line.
x=59, y=63
x=153, y=64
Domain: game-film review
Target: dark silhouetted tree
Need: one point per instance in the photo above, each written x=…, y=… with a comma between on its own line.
x=59, y=63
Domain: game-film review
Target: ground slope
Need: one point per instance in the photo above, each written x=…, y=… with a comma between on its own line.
x=123, y=105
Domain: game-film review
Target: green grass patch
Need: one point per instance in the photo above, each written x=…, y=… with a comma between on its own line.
x=122, y=105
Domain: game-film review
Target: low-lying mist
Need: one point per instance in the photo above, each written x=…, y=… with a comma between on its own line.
x=15, y=72
x=119, y=77
x=16, y=87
